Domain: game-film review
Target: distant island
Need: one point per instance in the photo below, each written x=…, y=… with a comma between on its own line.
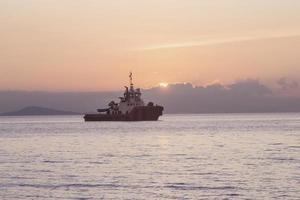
x=34, y=110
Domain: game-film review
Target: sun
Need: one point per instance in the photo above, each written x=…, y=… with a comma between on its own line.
x=163, y=84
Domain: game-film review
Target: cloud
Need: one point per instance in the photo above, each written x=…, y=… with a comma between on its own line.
x=221, y=40
x=242, y=96
x=249, y=87
x=286, y=84
x=248, y=95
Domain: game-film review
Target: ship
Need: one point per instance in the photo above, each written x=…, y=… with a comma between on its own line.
x=130, y=108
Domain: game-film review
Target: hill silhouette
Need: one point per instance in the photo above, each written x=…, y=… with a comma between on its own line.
x=34, y=110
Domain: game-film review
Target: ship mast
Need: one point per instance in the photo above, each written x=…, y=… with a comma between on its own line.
x=130, y=78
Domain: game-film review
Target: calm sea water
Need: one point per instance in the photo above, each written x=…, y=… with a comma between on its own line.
x=222, y=156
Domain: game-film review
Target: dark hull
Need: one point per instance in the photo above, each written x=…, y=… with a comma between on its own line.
x=141, y=113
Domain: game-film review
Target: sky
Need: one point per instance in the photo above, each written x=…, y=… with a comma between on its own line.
x=91, y=45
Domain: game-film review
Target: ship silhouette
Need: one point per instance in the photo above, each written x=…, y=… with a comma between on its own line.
x=130, y=108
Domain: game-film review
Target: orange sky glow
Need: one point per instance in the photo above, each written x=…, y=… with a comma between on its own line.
x=90, y=45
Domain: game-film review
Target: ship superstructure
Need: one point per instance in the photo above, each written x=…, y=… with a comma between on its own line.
x=131, y=98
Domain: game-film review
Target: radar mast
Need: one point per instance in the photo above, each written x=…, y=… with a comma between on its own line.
x=130, y=78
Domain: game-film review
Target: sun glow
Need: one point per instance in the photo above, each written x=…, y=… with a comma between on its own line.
x=163, y=85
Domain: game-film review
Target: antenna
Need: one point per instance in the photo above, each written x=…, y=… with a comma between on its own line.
x=130, y=76
x=131, y=84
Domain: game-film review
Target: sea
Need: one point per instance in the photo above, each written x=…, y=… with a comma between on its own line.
x=187, y=156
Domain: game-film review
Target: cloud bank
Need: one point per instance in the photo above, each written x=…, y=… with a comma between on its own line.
x=242, y=96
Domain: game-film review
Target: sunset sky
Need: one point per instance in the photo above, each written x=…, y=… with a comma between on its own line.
x=91, y=45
